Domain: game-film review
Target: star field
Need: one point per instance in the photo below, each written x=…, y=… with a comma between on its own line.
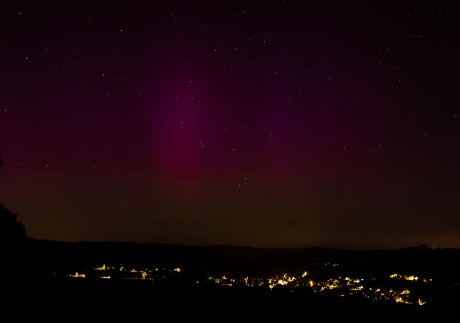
x=264, y=123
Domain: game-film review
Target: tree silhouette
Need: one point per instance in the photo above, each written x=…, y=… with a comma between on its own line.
x=10, y=228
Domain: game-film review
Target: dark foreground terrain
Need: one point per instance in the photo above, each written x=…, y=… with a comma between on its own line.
x=135, y=300
x=38, y=282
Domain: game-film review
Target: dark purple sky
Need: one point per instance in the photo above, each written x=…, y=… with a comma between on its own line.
x=263, y=123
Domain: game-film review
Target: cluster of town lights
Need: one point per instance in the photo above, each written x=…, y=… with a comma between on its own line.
x=339, y=286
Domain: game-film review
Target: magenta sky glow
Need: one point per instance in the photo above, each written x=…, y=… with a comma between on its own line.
x=277, y=124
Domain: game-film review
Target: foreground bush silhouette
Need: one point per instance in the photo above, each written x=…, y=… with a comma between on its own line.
x=10, y=228
x=13, y=248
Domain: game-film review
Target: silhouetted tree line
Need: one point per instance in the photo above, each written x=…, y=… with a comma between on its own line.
x=10, y=228
x=13, y=248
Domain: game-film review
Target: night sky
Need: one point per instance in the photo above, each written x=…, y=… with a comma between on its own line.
x=260, y=123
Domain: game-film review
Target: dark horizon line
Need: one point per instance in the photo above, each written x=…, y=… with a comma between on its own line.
x=421, y=246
